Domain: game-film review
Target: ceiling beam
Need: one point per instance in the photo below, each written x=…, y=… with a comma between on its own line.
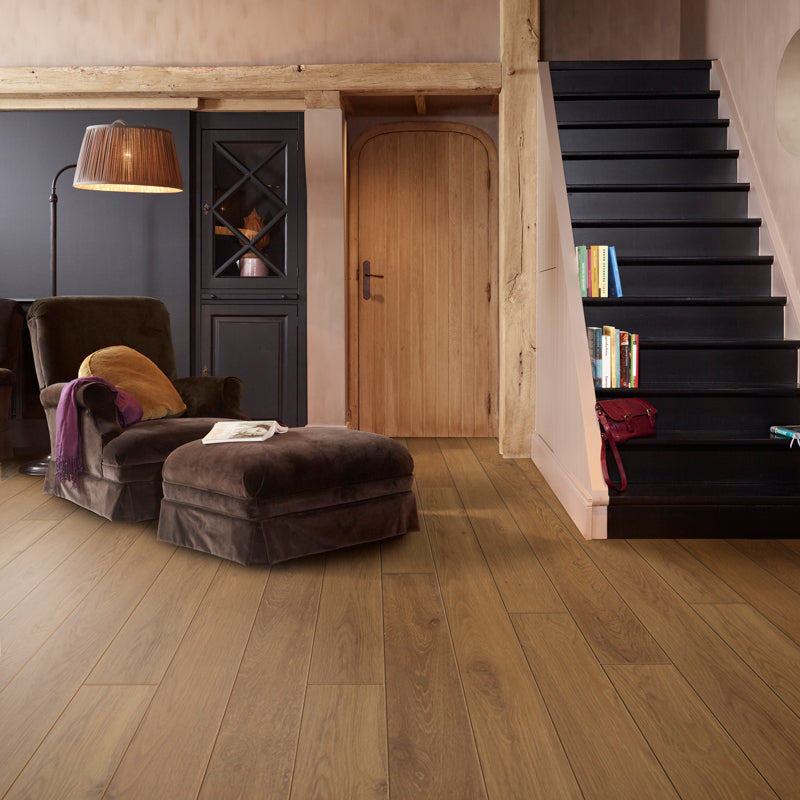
x=288, y=82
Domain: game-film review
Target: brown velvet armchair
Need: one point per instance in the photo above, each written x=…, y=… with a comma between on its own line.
x=12, y=325
x=121, y=477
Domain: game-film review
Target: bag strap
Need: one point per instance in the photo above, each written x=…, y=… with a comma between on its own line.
x=622, y=477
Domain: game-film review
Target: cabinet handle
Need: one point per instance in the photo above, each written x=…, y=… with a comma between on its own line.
x=206, y=208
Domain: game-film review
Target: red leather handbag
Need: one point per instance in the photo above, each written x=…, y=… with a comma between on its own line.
x=622, y=419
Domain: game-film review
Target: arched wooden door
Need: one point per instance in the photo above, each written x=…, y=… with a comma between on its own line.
x=422, y=281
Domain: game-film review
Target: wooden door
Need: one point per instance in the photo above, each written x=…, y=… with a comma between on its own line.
x=423, y=345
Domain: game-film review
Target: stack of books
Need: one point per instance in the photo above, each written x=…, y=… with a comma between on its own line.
x=598, y=271
x=615, y=357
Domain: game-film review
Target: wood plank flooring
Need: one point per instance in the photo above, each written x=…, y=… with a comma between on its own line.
x=494, y=654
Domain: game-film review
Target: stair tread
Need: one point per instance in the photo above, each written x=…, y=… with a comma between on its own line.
x=732, y=300
x=702, y=390
x=712, y=438
x=658, y=187
x=703, y=122
x=610, y=155
x=688, y=260
x=654, y=94
x=721, y=344
x=708, y=493
x=661, y=222
x=697, y=63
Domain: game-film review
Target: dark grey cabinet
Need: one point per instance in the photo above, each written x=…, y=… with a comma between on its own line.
x=250, y=248
x=257, y=342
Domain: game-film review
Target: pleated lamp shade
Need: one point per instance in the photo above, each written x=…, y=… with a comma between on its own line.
x=128, y=158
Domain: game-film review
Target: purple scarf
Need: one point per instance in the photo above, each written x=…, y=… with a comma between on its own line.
x=69, y=452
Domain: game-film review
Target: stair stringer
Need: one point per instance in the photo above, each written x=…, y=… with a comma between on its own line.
x=565, y=445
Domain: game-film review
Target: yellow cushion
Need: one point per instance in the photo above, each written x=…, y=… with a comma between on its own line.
x=129, y=370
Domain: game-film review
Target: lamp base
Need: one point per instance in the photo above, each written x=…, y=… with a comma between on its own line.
x=35, y=468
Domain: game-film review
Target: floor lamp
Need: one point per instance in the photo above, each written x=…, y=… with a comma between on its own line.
x=114, y=158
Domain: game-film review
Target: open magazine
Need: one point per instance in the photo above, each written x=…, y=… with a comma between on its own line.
x=236, y=430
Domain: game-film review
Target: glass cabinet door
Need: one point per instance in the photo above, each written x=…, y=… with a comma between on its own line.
x=249, y=199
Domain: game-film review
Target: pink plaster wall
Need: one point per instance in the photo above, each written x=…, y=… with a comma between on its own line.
x=196, y=32
x=585, y=30
x=749, y=38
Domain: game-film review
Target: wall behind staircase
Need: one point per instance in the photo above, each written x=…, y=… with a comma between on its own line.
x=605, y=30
x=749, y=37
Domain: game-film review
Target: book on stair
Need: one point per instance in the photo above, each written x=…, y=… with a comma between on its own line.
x=614, y=356
x=237, y=430
x=594, y=336
x=598, y=271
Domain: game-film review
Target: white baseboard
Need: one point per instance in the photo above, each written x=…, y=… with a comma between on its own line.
x=587, y=511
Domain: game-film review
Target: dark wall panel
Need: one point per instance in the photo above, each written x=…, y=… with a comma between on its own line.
x=108, y=243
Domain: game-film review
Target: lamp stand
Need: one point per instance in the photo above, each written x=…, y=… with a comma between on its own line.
x=39, y=466
x=54, y=229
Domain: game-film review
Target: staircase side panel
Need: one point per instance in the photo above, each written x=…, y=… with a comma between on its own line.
x=566, y=441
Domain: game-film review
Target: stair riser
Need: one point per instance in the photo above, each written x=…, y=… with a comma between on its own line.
x=696, y=280
x=696, y=464
x=750, y=415
x=713, y=169
x=638, y=139
x=649, y=109
x=639, y=242
x=689, y=205
x=735, y=367
x=703, y=522
x=629, y=80
x=690, y=322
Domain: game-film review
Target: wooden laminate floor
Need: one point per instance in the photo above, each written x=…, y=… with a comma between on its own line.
x=494, y=654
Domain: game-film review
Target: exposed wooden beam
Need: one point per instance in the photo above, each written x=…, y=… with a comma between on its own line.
x=326, y=99
x=13, y=103
x=419, y=100
x=519, y=32
x=290, y=81
x=251, y=104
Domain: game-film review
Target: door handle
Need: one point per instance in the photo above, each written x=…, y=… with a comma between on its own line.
x=365, y=281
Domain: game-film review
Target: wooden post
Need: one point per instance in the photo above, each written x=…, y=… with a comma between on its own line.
x=519, y=26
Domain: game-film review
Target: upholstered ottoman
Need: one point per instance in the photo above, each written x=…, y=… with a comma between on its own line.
x=306, y=491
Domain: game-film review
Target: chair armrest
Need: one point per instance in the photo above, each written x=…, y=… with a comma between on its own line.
x=96, y=398
x=7, y=377
x=99, y=421
x=211, y=396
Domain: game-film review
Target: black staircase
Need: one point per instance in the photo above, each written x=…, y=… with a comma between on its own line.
x=648, y=170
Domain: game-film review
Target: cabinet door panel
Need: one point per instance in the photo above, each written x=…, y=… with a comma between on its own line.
x=250, y=209
x=259, y=345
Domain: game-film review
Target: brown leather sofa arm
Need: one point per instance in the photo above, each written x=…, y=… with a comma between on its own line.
x=211, y=396
x=7, y=377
